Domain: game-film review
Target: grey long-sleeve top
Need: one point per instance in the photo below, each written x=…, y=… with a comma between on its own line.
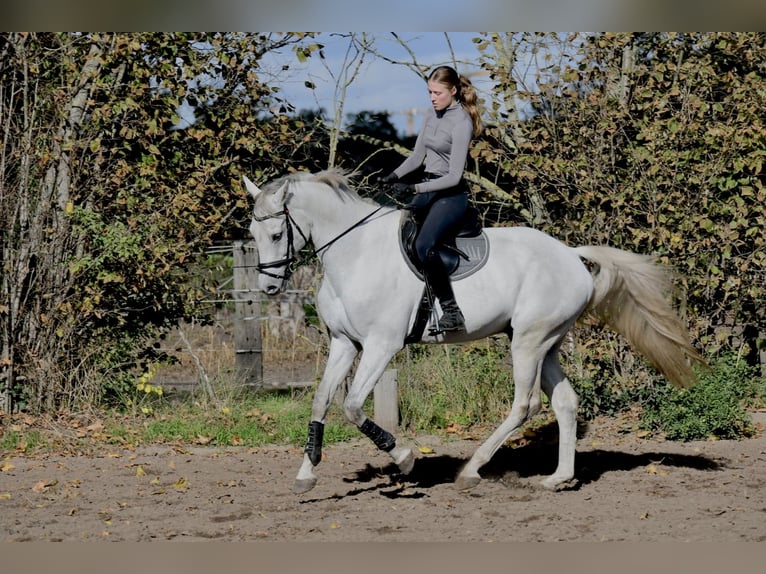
x=442, y=146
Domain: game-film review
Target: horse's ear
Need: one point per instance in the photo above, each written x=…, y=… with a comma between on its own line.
x=251, y=188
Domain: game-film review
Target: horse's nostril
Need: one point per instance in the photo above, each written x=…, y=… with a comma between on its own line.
x=271, y=289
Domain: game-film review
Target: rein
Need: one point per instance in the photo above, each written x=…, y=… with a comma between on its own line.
x=290, y=261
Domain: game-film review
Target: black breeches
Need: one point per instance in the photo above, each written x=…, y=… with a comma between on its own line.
x=442, y=221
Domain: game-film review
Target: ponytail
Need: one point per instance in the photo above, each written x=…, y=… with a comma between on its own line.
x=470, y=101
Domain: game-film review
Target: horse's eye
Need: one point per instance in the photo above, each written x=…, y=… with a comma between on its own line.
x=276, y=237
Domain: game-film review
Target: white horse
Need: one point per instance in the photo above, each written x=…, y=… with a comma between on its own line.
x=533, y=287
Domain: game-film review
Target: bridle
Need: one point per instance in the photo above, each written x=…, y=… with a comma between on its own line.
x=290, y=261
x=289, y=258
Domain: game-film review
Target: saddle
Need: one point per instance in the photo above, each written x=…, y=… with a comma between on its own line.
x=462, y=256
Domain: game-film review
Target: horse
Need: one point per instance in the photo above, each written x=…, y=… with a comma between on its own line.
x=533, y=287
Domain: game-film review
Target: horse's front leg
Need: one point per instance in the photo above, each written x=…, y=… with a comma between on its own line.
x=375, y=358
x=339, y=360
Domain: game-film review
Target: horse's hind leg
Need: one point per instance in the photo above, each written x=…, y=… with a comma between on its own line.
x=564, y=403
x=526, y=403
x=339, y=360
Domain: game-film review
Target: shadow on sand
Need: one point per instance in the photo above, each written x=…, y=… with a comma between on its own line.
x=536, y=458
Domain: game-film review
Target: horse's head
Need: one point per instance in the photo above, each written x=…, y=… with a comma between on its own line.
x=276, y=235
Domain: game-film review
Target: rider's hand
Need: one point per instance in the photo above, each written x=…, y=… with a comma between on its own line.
x=400, y=189
x=390, y=178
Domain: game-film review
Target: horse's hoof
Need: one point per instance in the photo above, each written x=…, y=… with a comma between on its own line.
x=407, y=463
x=556, y=484
x=302, y=485
x=467, y=482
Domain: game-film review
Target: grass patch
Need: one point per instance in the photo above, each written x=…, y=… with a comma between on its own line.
x=253, y=420
x=447, y=385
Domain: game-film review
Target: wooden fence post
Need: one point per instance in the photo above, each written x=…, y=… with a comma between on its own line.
x=248, y=343
x=386, y=401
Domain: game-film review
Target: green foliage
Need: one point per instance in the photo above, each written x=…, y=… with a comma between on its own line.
x=651, y=142
x=111, y=198
x=600, y=397
x=715, y=407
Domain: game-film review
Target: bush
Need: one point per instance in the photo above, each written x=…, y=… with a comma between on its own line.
x=715, y=407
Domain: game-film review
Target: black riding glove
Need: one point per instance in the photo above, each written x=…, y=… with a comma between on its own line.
x=400, y=189
x=390, y=178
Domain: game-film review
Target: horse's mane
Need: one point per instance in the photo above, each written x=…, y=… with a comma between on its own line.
x=336, y=179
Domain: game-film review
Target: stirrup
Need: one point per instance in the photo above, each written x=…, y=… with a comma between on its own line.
x=451, y=321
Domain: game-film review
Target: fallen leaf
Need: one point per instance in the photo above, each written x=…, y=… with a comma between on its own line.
x=140, y=471
x=43, y=485
x=181, y=484
x=426, y=449
x=155, y=480
x=643, y=433
x=7, y=465
x=96, y=426
x=5, y=495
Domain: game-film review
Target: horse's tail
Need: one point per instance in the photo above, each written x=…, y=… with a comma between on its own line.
x=630, y=295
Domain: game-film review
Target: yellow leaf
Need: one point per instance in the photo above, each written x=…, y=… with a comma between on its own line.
x=181, y=484
x=140, y=471
x=426, y=449
x=643, y=433
x=5, y=495
x=651, y=469
x=7, y=465
x=155, y=480
x=334, y=526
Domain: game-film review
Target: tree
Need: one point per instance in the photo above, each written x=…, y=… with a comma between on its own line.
x=654, y=143
x=108, y=201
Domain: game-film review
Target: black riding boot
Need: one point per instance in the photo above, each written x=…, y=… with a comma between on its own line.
x=438, y=278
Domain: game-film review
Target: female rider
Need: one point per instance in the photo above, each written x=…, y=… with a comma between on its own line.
x=441, y=198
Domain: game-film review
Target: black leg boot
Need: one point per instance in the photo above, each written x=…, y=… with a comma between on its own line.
x=438, y=278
